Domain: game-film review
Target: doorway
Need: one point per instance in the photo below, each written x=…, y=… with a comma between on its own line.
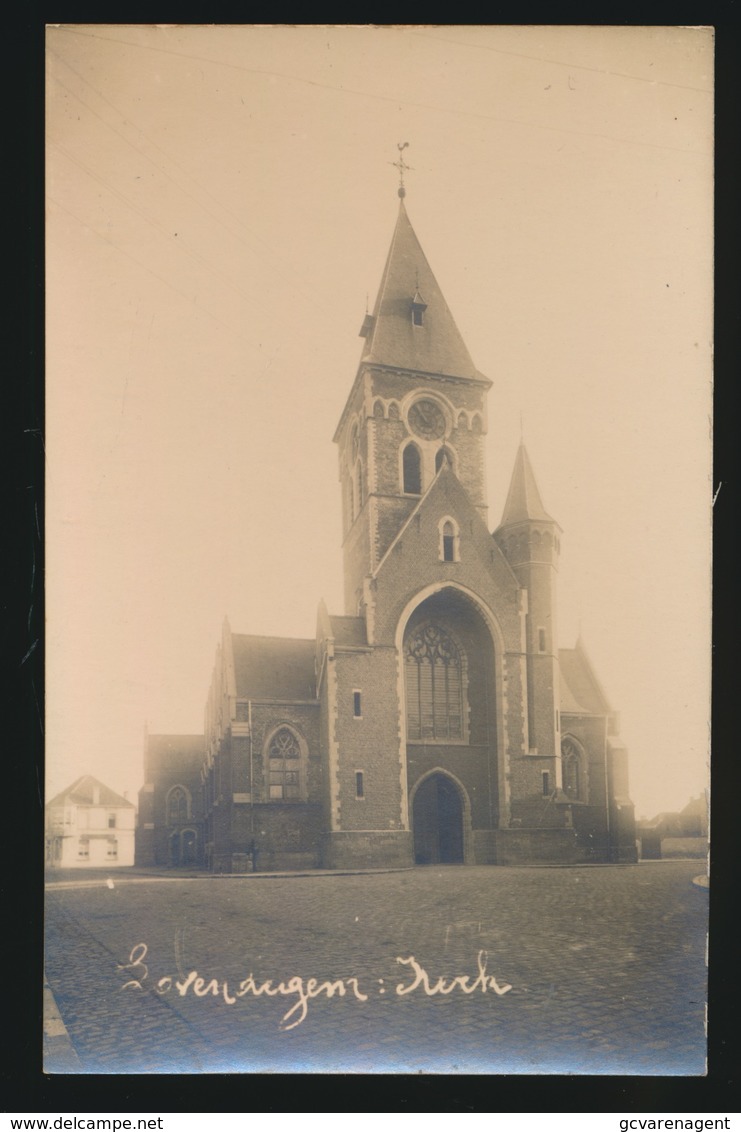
x=437, y=814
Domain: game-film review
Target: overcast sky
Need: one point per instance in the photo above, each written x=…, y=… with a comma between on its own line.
x=220, y=205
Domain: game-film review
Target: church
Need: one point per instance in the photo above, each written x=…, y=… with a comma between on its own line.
x=436, y=720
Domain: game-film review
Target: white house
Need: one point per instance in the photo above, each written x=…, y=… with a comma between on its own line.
x=88, y=825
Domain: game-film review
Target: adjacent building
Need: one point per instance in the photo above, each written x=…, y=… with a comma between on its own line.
x=89, y=825
x=435, y=720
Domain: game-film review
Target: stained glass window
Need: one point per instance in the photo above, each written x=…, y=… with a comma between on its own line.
x=285, y=766
x=177, y=805
x=434, y=685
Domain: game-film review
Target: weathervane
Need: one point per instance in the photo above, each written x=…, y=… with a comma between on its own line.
x=402, y=166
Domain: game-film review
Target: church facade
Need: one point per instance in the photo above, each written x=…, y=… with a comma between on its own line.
x=436, y=720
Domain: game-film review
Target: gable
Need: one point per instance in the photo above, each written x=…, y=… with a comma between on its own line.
x=82, y=793
x=413, y=560
x=580, y=689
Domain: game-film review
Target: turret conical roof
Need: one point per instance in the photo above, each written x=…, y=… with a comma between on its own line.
x=523, y=500
x=434, y=344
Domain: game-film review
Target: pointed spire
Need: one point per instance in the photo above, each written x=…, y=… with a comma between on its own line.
x=523, y=499
x=405, y=330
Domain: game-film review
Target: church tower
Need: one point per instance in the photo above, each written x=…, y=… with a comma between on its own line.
x=529, y=538
x=417, y=400
x=435, y=721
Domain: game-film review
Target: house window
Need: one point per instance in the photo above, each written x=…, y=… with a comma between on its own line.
x=112, y=853
x=83, y=849
x=546, y=783
x=177, y=805
x=412, y=470
x=111, y=821
x=359, y=784
x=434, y=682
x=284, y=767
x=357, y=708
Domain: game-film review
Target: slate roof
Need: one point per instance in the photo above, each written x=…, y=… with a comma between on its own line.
x=187, y=751
x=349, y=631
x=274, y=668
x=580, y=690
x=523, y=498
x=391, y=337
x=80, y=793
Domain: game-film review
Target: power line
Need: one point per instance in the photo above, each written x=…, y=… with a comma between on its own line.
x=155, y=224
x=139, y=263
x=387, y=97
x=255, y=236
x=560, y=63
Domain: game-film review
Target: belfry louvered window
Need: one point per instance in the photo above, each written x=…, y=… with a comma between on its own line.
x=434, y=684
x=285, y=766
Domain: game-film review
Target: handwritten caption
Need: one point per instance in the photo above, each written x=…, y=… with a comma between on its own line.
x=304, y=990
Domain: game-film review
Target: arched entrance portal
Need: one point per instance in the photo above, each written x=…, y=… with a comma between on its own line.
x=438, y=822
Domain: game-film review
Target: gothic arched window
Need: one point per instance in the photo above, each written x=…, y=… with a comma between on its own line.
x=412, y=470
x=350, y=501
x=178, y=806
x=361, y=497
x=434, y=684
x=449, y=541
x=284, y=754
x=572, y=771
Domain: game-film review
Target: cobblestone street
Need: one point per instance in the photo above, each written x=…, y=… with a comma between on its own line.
x=606, y=968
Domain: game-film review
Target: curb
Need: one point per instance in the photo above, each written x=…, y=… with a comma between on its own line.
x=59, y=1053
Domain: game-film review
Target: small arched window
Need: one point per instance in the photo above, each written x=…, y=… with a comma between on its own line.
x=444, y=455
x=412, y=470
x=178, y=805
x=449, y=541
x=378, y=410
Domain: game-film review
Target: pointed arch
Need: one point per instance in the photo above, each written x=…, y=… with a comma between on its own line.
x=497, y=692
x=574, y=769
x=435, y=667
x=285, y=754
x=411, y=469
x=449, y=547
x=177, y=804
x=361, y=485
x=446, y=453
x=428, y=848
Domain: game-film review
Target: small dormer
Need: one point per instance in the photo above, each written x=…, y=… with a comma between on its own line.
x=419, y=306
